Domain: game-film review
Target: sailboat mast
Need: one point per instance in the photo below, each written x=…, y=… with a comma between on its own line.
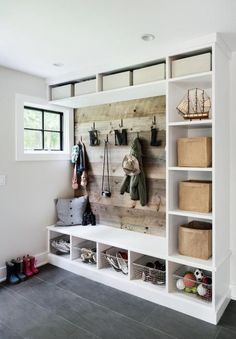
x=188, y=101
x=203, y=101
x=196, y=100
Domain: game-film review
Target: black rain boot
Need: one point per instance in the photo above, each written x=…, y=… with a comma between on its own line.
x=18, y=267
x=11, y=276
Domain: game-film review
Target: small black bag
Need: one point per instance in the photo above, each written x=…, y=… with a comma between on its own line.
x=88, y=217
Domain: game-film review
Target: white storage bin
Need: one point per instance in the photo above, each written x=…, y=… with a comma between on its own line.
x=61, y=92
x=191, y=65
x=148, y=74
x=85, y=87
x=117, y=80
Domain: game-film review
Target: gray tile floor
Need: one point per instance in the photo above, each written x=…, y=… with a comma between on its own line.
x=59, y=304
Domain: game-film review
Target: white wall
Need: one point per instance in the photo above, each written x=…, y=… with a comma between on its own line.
x=27, y=199
x=233, y=175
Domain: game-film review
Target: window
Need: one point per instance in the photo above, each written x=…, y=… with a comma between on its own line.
x=43, y=130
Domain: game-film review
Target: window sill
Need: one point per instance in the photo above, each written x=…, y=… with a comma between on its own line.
x=41, y=155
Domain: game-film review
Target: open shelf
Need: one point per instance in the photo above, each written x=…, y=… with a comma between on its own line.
x=192, y=298
x=88, y=266
x=189, y=261
x=109, y=271
x=151, y=287
x=191, y=169
x=121, y=94
x=205, y=216
x=207, y=123
x=191, y=79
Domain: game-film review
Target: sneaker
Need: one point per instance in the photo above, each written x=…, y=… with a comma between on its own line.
x=122, y=263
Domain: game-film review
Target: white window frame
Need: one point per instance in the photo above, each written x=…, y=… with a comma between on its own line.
x=21, y=153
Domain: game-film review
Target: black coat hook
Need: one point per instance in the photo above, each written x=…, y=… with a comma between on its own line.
x=154, y=120
x=121, y=123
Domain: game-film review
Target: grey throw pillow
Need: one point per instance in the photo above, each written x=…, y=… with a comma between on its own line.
x=70, y=211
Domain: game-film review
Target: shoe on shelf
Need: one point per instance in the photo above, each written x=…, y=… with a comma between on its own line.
x=18, y=267
x=33, y=267
x=27, y=267
x=122, y=263
x=61, y=245
x=11, y=276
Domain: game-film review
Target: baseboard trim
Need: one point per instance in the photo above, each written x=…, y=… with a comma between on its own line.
x=41, y=259
x=233, y=292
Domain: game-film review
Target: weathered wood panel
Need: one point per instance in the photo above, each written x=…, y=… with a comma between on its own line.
x=122, y=110
x=119, y=210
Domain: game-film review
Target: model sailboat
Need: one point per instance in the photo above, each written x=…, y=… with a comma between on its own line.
x=196, y=104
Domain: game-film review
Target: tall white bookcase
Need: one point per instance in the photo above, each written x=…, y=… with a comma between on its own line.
x=216, y=84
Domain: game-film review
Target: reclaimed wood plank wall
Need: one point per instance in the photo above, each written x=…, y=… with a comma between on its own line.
x=119, y=210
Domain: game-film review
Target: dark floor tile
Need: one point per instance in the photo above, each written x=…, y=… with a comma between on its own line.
x=30, y=320
x=108, y=324
x=228, y=319
x=180, y=325
x=55, y=327
x=225, y=333
x=26, y=284
x=7, y=333
x=87, y=315
x=111, y=298
x=53, y=274
x=81, y=334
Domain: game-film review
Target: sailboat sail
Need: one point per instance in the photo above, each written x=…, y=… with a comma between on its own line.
x=196, y=104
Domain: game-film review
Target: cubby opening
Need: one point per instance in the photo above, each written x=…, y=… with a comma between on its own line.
x=177, y=176
x=84, y=251
x=192, y=282
x=150, y=270
x=115, y=259
x=59, y=244
x=178, y=90
x=175, y=221
x=177, y=132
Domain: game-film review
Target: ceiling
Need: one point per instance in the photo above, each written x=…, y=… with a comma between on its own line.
x=90, y=36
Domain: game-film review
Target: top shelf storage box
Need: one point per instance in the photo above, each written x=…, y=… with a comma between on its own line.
x=85, y=87
x=191, y=65
x=118, y=80
x=61, y=92
x=149, y=74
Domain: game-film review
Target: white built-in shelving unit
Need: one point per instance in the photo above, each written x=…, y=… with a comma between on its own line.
x=216, y=84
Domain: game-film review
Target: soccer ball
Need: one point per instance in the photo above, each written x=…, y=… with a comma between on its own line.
x=198, y=275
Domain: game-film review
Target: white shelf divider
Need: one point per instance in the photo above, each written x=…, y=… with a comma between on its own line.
x=205, y=77
x=121, y=94
x=190, y=214
x=194, y=262
x=192, y=124
x=191, y=169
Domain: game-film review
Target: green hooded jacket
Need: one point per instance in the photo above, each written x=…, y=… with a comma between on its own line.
x=135, y=185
